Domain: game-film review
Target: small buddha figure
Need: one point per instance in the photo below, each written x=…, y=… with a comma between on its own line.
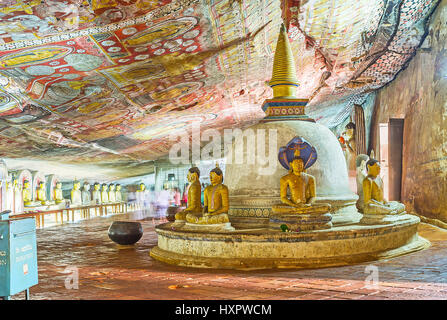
x=118, y=195
x=85, y=194
x=58, y=195
x=18, y=197
x=349, y=143
x=42, y=195
x=76, y=194
x=216, y=203
x=104, y=194
x=27, y=195
x=194, y=194
x=111, y=193
x=96, y=193
x=373, y=201
x=302, y=191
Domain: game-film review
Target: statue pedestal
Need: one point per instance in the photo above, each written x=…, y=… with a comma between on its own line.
x=300, y=222
x=218, y=227
x=380, y=219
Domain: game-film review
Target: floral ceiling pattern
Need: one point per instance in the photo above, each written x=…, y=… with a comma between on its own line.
x=107, y=81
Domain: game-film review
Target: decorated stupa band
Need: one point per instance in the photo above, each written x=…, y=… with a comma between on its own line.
x=373, y=200
x=42, y=195
x=297, y=156
x=194, y=196
x=216, y=202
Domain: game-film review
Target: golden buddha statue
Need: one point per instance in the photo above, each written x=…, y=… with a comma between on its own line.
x=194, y=195
x=42, y=195
x=104, y=194
x=118, y=195
x=58, y=195
x=76, y=195
x=373, y=200
x=111, y=193
x=27, y=195
x=216, y=203
x=96, y=193
x=302, y=191
x=85, y=194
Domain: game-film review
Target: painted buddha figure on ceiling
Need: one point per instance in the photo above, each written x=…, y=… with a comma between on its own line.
x=111, y=193
x=42, y=195
x=373, y=199
x=76, y=194
x=118, y=195
x=85, y=194
x=194, y=195
x=216, y=202
x=104, y=193
x=297, y=156
x=27, y=195
x=96, y=193
x=58, y=195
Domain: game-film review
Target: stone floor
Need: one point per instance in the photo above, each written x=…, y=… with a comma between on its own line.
x=108, y=271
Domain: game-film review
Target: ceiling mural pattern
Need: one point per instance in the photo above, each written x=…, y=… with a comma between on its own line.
x=104, y=81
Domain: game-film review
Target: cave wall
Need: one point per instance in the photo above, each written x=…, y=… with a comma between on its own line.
x=419, y=95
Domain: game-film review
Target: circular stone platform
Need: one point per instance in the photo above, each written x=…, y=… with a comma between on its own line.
x=266, y=249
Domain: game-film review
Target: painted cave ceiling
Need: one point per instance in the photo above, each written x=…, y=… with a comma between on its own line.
x=107, y=81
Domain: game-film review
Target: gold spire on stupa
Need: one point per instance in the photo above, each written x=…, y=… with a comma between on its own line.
x=284, y=80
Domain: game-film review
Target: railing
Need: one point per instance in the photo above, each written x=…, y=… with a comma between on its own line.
x=99, y=210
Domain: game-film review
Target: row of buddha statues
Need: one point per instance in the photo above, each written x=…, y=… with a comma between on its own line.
x=298, y=206
x=99, y=195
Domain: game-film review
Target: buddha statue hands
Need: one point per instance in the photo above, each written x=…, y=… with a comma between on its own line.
x=194, y=195
x=373, y=200
x=216, y=203
x=42, y=196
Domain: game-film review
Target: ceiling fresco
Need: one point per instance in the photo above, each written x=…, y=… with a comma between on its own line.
x=106, y=82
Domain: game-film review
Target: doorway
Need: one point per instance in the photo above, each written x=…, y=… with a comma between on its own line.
x=395, y=147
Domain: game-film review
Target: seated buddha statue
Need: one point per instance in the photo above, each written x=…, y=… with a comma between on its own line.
x=42, y=195
x=58, y=195
x=373, y=200
x=111, y=193
x=118, y=195
x=76, y=194
x=27, y=195
x=104, y=194
x=96, y=193
x=85, y=194
x=302, y=192
x=194, y=195
x=216, y=203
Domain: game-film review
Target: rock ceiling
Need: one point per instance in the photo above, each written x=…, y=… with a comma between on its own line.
x=106, y=82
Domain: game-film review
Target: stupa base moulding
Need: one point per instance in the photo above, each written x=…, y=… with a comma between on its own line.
x=261, y=248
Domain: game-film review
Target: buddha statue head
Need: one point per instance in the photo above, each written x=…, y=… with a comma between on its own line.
x=58, y=185
x=373, y=167
x=41, y=185
x=26, y=184
x=96, y=186
x=104, y=187
x=86, y=186
x=118, y=187
x=193, y=174
x=111, y=187
x=142, y=187
x=216, y=176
